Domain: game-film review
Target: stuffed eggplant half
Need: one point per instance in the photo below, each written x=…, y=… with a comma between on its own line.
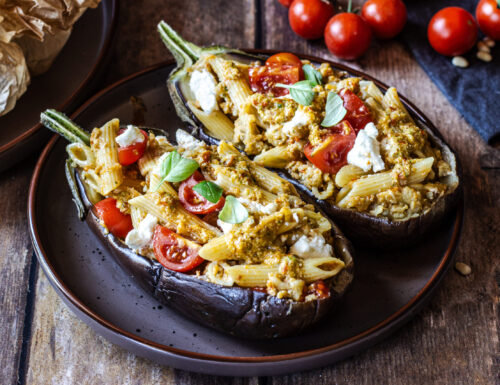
x=205, y=230
x=346, y=145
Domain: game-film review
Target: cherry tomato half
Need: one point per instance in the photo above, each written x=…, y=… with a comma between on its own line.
x=331, y=155
x=308, y=18
x=194, y=202
x=386, y=17
x=286, y=3
x=173, y=252
x=488, y=18
x=347, y=36
x=131, y=154
x=358, y=114
x=282, y=67
x=452, y=31
x=118, y=223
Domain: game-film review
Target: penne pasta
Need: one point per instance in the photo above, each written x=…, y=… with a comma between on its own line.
x=276, y=157
x=315, y=269
x=81, y=155
x=102, y=142
x=217, y=124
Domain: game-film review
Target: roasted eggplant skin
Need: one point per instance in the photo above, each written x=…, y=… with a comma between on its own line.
x=376, y=232
x=241, y=312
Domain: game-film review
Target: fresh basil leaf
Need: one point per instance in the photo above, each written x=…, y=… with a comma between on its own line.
x=301, y=92
x=209, y=190
x=334, y=110
x=312, y=74
x=175, y=168
x=233, y=211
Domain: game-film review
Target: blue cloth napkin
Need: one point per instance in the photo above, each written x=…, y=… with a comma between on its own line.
x=475, y=90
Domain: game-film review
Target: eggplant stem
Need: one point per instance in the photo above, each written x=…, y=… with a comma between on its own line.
x=185, y=53
x=70, y=177
x=59, y=123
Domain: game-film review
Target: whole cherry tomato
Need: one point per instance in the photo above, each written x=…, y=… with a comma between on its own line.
x=308, y=18
x=194, y=202
x=118, y=223
x=286, y=3
x=331, y=155
x=173, y=252
x=282, y=67
x=488, y=17
x=131, y=154
x=347, y=36
x=386, y=17
x=452, y=31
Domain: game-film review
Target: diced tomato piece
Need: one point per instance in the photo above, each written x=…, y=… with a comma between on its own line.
x=285, y=68
x=194, y=202
x=173, y=252
x=131, y=154
x=331, y=154
x=358, y=113
x=118, y=223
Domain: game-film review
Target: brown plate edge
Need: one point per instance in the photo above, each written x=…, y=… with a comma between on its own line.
x=400, y=316
x=107, y=43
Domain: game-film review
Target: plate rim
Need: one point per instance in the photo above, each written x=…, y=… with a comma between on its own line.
x=78, y=90
x=398, y=318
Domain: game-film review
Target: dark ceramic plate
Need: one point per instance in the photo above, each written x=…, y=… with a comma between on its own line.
x=388, y=290
x=64, y=86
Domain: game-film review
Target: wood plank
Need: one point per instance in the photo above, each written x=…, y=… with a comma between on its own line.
x=63, y=350
x=138, y=44
x=15, y=264
x=455, y=339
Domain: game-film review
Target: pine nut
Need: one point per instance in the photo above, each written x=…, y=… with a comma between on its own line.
x=460, y=61
x=482, y=46
x=462, y=268
x=484, y=56
x=489, y=42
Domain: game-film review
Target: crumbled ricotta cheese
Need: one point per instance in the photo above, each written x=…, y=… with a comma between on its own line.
x=203, y=84
x=141, y=237
x=130, y=136
x=313, y=247
x=256, y=207
x=226, y=227
x=301, y=118
x=187, y=141
x=366, y=150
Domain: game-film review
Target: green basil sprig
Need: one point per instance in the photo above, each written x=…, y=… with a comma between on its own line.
x=302, y=92
x=209, y=190
x=233, y=211
x=311, y=74
x=334, y=110
x=175, y=168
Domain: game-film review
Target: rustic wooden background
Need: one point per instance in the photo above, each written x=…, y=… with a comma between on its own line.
x=454, y=340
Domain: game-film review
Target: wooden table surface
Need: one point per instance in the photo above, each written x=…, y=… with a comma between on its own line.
x=454, y=340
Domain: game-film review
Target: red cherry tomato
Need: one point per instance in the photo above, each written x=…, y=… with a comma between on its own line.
x=286, y=3
x=347, y=36
x=308, y=17
x=386, y=17
x=173, y=252
x=194, y=202
x=282, y=67
x=488, y=18
x=131, y=154
x=331, y=154
x=452, y=31
x=358, y=114
x=118, y=223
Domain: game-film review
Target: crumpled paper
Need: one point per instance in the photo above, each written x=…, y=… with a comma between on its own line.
x=39, y=28
x=14, y=76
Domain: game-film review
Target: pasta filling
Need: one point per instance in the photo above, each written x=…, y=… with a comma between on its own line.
x=371, y=160
x=209, y=211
